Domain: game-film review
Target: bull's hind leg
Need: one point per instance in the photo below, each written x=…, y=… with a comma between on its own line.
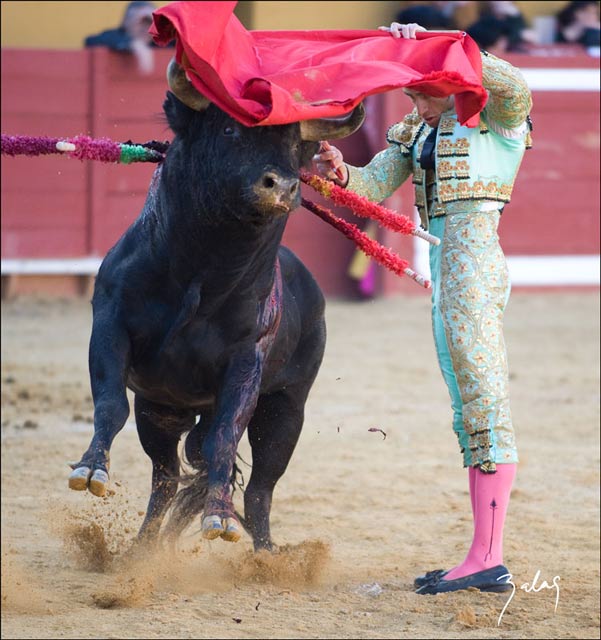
x=159, y=430
x=273, y=434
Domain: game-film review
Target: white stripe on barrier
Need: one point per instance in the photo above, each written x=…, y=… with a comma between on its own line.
x=562, y=79
x=533, y=271
x=58, y=266
x=549, y=271
x=556, y=270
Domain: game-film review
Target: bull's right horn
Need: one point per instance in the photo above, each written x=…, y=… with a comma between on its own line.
x=183, y=88
x=332, y=128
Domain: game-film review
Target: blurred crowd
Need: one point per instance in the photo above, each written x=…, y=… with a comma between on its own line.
x=131, y=36
x=500, y=27
x=497, y=27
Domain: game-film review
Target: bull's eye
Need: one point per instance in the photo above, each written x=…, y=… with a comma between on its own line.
x=228, y=131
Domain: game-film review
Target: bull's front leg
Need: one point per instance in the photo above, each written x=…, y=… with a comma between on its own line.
x=108, y=359
x=236, y=405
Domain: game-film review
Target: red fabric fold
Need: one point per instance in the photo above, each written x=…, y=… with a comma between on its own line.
x=277, y=77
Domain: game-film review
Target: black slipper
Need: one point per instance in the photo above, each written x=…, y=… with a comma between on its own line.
x=420, y=581
x=495, y=579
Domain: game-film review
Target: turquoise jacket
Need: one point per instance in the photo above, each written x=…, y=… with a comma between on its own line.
x=478, y=163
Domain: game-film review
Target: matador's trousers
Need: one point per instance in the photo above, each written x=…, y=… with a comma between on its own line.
x=470, y=291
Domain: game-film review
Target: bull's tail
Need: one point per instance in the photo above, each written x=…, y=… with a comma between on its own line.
x=189, y=501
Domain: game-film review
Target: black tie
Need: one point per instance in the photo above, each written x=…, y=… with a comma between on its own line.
x=427, y=158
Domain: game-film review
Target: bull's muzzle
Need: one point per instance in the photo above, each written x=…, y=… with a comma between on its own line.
x=276, y=193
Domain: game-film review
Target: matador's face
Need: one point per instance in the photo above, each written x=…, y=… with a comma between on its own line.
x=429, y=108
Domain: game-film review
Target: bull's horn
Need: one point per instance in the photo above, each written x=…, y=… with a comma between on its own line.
x=183, y=88
x=332, y=128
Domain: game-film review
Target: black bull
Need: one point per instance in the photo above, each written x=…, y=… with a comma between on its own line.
x=214, y=326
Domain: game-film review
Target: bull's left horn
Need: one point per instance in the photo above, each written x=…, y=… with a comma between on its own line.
x=183, y=88
x=332, y=128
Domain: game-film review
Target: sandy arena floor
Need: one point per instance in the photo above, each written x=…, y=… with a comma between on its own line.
x=360, y=514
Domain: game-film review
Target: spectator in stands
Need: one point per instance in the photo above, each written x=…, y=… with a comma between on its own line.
x=425, y=14
x=516, y=30
x=131, y=36
x=578, y=22
x=432, y=15
x=490, y=34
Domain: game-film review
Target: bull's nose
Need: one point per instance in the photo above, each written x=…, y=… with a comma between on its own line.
x=274, y=190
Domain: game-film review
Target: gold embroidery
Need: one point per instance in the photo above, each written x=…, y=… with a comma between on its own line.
x=472, y=312
x=418, y=175
x=463, y=191
x=405, y=133
x=445, y=147
x=487, y=467
x=412, y=118
x=505, y=191
x=446, y=126
x=478, y=190
x=447, y=170
x=393, y=132
x=437, y=210
x=462, y=169
x=509, y=101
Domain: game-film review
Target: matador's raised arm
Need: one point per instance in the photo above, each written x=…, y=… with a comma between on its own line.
x=509, y=98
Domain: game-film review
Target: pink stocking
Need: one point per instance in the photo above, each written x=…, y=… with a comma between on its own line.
x=472, y=471
x=490, y=497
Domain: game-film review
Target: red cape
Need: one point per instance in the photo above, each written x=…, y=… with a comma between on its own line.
x=277, y=77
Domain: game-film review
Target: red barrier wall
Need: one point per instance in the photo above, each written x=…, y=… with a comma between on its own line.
x=45, y=199
x=55, y=207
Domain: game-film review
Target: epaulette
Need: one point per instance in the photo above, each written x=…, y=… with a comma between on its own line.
x=406, y=132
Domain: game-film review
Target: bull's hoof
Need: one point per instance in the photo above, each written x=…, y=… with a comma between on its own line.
x=84, y=478
x=79, y=478
x=232, y=530
x=226, y=528
x=212, y=527
x=99, y=483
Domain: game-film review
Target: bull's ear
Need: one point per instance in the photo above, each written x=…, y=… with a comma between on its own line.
x=179, y=116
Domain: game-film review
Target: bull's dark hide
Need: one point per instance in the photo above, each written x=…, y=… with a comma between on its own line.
x=212, y=324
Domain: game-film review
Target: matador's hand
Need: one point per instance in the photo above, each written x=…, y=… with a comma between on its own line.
x=398, y=30
x=329, y=163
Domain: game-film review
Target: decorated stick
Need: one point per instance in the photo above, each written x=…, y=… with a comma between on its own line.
x=366, y=209
x=380, y=254
x=105, y=150
x=80, y=147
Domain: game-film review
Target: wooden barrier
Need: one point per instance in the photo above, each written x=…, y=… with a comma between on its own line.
x=70, y=213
